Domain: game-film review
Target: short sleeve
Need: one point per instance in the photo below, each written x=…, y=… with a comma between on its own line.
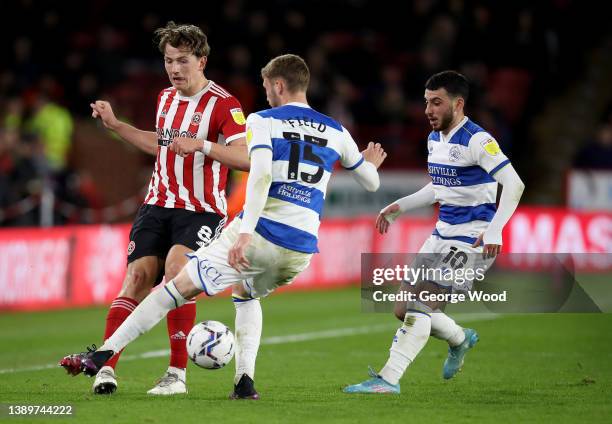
x=231, y=119
x=350, y=156
x=258, y=133
x=486, y=153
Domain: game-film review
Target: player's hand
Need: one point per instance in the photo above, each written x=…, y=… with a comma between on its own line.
x=236, y=256
x=103, y=110
x=386, y=217
x=374, y=153
x=184, y=146
x=489, y=250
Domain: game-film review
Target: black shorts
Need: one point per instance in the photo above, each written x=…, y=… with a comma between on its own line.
x=157, y=229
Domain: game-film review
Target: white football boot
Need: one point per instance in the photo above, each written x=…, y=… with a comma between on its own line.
x=105, y=382
x=169, y=384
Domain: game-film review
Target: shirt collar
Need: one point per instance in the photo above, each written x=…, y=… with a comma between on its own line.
x=454, y=130
x=196, y=95
x=299, y=104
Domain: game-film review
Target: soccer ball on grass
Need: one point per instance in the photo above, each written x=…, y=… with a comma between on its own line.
x=210, y=345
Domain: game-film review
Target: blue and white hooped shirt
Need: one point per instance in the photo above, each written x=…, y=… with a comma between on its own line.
x=305, y=146
x=461, y=165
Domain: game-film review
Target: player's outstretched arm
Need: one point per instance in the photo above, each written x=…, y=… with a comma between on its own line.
x=258, y=185
x=423, y=197
x=233, y=155
x=144, y=140
x=366, y=173
x=512, y=191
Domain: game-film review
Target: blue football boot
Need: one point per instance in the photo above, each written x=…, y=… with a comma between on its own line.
x=456, y=354
x=376, y=384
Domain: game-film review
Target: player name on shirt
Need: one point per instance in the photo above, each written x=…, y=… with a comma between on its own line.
x=305, y=121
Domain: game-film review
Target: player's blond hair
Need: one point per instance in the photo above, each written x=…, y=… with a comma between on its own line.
x=291, y=68
x=183, y=36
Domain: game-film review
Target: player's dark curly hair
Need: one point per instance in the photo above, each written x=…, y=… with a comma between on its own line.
x=291, y=68
x=182, y=36
x=455, y=84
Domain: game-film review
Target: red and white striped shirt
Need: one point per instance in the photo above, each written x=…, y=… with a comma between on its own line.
x=196, y=182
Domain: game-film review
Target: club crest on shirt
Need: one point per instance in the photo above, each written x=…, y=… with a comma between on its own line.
x=454, y=154
x=163, y=113
x=131, y=247
x=196, y=118
x=491, y=147
x=238, y=116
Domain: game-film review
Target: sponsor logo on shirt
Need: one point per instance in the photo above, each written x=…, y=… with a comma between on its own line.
x=238, y=116
x=444, y=176
x=291, y=192
x=166, y=135
x=491, y=147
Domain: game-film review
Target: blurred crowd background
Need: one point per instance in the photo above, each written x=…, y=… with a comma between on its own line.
x=540, y=75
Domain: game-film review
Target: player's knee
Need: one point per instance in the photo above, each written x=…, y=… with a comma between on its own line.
x=400, y=310
x=400, y=314
x=185, y=286
x=137, y=281
x=240, y=291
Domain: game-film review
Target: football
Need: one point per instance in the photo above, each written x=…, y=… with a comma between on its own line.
x=210, y=344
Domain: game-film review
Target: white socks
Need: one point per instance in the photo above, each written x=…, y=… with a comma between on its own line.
x=248, y=335
x=444, y=328
x=148, y=313
x=410, y=338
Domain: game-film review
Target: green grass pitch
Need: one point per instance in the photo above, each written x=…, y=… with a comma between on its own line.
x=526, y=368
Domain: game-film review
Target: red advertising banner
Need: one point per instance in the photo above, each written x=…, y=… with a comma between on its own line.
x=544, y=230
x=35, y=268
x=60, y=267
x=100, y=259
x=85, y=265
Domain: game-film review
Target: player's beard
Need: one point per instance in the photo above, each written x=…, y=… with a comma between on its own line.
x=446, y=120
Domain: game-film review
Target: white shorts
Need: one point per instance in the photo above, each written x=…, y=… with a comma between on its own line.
x=271, y=265
x=451, y=263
